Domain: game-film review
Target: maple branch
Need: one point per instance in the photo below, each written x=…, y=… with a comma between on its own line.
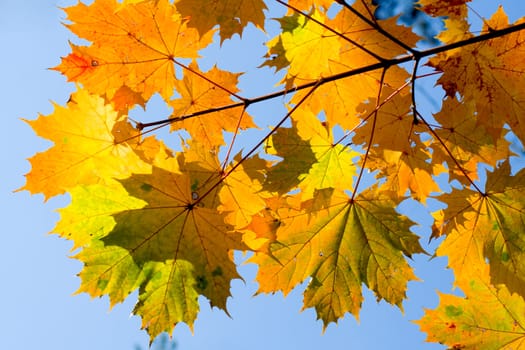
x=380, y=65
x=140, y=126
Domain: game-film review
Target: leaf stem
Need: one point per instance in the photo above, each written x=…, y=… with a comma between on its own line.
x=372, y=132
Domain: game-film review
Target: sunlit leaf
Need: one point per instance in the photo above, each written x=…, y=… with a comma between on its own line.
x=90, y=144
x=340, y=247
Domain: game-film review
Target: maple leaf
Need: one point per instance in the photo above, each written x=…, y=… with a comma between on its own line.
x=231, y=16
x=307, y=46
x=468, y=143
x=381, y=119
x=493, y=68
x=200, y=92
x=488, y=226
x=488, y=317
x=199, y=232
x=312, y=161
x=334, y=166
x=405, y=171
x=297, y=155
x=340, y=246
x=400, y=156
x=153, y=225
x=90, y=144
x=136, y=45
x=170, y=296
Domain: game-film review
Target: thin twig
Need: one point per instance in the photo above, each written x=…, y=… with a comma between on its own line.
x=372, y=132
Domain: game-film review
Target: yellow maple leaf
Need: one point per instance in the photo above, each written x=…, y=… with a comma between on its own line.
x=152, y=232
x=307, y=46
x=201, y=92
x=487, y=226
x=90, y=145
x=469, y=144
x=406, y=171
x=392, y=136
x=335, y=166
x=389, y=125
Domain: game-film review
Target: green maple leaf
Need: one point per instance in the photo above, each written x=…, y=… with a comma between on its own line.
x=152, y=235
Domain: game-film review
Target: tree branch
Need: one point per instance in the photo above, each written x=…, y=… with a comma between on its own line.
x=493, y=34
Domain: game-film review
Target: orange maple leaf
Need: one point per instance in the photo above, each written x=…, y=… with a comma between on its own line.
x=137, y=45
x=203, y=91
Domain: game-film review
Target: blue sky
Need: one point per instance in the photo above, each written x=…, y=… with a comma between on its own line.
x=38, y=310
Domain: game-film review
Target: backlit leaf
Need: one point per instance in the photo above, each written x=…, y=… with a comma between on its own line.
x=488, y=318
x=488, y=226
x=488, y=74
x=202, y=92
x=152, y=234
x=90, y=144
x=338, y=248
x=137, y=45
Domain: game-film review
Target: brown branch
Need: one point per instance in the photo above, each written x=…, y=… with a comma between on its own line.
x=380, y=65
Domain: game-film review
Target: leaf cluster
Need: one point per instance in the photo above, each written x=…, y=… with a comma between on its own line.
x=314, y=198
